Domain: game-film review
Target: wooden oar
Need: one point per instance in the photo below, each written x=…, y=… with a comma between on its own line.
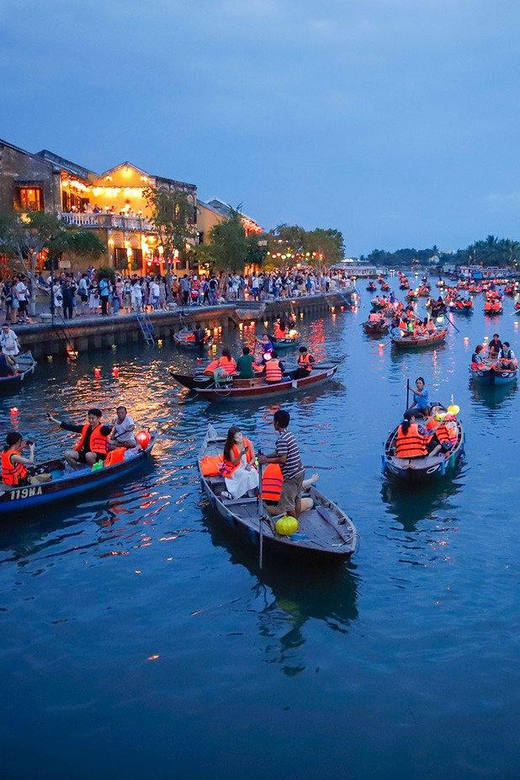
x=451, y=322
x=260, y=516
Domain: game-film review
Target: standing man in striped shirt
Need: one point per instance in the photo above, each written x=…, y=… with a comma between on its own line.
x=288, y=456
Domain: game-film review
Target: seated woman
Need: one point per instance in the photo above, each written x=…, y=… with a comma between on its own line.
x=477, y=358
x=412, y=441
x=14, y=466
x=238, y=468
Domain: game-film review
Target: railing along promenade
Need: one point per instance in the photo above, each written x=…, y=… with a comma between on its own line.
x=91, y=333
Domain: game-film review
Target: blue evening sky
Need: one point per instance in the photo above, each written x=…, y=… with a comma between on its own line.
x=395, y=121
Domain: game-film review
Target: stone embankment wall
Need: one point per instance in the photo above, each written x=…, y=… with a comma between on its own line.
x=89, y=334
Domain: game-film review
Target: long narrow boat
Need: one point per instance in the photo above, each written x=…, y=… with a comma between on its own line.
x=286, y=343
x=424, y=467
x=65, y=484
x=419, y=342
x=26, y=365
x=494, y=375
x=325, y=534
x=258, y=389
x=186, y=340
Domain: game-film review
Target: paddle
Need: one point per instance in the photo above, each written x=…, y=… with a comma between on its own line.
x=260, y=515
x=451, y=322
x=407, y=394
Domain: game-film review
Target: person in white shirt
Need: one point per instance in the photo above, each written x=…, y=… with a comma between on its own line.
x=21, y=292
x=123, y=430
x=9, y=341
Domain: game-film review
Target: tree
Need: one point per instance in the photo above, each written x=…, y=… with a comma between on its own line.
x=229, y=244
x=173, y=217
x=326, y=244
x=24, y=236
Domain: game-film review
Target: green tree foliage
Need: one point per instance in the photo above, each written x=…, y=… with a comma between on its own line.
x=318, y=246
x=229, y=244
x=173, y=217
x=490, y=251
x=24, y=236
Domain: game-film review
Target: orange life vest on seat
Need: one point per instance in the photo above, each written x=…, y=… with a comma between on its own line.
x=412, y=445
x=12, y=473
x=272, y=482
x=278, y=333
x=98, y=442
x=273, y=372
x=228, y=468
x=115, y=456
x=442, y=433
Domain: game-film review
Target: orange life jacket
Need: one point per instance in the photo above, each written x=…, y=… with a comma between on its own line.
x=305, y=361
x=273, y=372
x=12, y=473
x=115, y=456
x=227, y=364
x=272, y=482
x=442, y=433
x=211, y=465
x=98, y=442
x=228, y=468
x=412, y=445
x=278, y=333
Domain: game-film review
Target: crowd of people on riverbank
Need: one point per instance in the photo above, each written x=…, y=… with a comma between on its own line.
x=72, y=295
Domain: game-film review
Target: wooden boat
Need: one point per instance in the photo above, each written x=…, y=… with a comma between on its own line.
x=186, y=340
x=66, y=484
x=423, y=291
x=286, y=343
x=193, y=381
x=406, y=341
x=26, y=365
x=258, y=389
x=371, y=287
x=376, y=328
x=494, y=375
x=425, y=467
x=461, y=307
x=325, y=535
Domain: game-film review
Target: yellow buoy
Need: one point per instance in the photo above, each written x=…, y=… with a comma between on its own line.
x=286, y=525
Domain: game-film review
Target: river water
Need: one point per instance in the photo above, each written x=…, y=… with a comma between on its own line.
x=139, y=639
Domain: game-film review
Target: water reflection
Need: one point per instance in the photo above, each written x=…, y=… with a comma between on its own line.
x=410, y=505
x=286, y=597
x=491, y=396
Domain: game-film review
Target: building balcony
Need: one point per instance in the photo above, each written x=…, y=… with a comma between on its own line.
x=102, y=221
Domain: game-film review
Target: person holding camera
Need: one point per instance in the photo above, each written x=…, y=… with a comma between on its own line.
x=14, y=465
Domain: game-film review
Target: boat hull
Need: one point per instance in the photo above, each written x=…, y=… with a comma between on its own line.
x=419, y=343
x=422, y=469
x=259, y=392
x=343, y=537
x=21, y=499
x=27, y=365
x=494, y=377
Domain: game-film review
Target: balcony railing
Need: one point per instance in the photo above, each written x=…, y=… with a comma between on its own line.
x=87, y=219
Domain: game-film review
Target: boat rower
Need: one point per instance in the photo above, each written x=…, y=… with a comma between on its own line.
x=122, y=431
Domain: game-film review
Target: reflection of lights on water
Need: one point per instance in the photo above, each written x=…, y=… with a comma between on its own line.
x=153, y=657
x=466, y=341
x=138, y=571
